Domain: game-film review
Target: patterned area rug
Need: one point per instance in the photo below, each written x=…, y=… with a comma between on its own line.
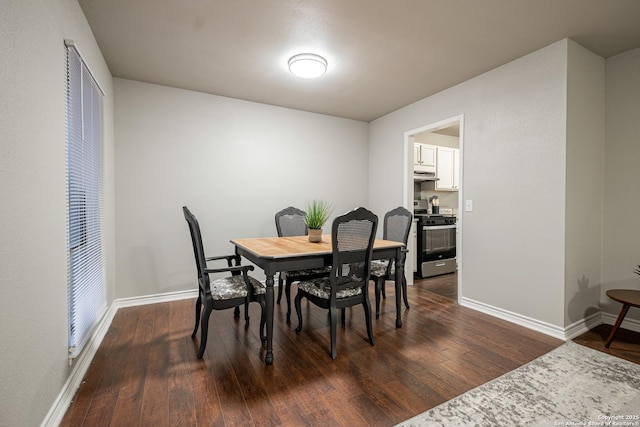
x=571, y=386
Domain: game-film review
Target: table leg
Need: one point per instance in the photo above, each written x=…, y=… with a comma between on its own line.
x=268, y=358
x=398, y=282
x=623, y=312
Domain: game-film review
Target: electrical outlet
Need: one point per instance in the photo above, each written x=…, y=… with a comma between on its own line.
x=468, y=205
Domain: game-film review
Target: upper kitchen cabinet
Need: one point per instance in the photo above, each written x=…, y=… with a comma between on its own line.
x=424, y=158
x=448, y=169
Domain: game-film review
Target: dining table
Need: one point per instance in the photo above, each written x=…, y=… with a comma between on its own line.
x=280, y=254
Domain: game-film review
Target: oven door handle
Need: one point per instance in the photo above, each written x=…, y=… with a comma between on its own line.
x=438, y=227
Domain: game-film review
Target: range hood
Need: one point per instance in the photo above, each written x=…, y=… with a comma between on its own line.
x=424, y=176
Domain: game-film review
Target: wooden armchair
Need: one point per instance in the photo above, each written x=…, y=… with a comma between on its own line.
x=227, y=292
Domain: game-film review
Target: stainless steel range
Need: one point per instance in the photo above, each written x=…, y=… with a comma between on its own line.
x=436, y=244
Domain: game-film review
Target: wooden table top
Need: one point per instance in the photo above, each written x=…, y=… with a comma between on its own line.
x=284, y=247
x=625, y=296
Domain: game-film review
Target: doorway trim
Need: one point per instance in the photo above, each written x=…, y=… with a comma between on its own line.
x=408, y=182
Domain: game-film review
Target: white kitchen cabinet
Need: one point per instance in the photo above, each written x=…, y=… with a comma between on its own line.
x=456, y=169
x=424, y=157
x=448, y=166
x=413, y=246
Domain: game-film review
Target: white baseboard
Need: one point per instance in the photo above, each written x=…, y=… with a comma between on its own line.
x=630, y=324
x=600, y=318
x=518, y=319
x=80, y=367
x=154, y=299
x=583, y=325
x=567, y=333
x=83, y=361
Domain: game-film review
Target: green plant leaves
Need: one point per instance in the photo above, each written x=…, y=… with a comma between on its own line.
x=317, y=213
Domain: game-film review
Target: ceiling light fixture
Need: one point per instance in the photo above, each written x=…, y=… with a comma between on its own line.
x=307, y=65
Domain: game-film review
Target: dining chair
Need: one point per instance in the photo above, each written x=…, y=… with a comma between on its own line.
x=396, y=227
x=352, y=235
x=291, y=222
x=221, y=293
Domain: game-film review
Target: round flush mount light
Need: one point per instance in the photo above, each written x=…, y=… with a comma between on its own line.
x=307, y=65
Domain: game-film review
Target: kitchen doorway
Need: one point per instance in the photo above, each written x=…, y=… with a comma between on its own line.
x=434, y=167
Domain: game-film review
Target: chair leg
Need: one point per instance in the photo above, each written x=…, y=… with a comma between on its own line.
x=383, y=288
x=333, y=318
x=198, y=309
x=298, y=311
x=279, y=287
x=287, y=291
x=367, y=315
x=204, y=330
x=236, y=312
x=246, y=311
x=404, y=291
x=377, y=291
x=343, y=315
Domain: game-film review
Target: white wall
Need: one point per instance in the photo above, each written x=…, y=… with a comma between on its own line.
x=234, y=163
x=33, y=274
x=514, y=171
x=177, y=147
x=585, y=174
x=621, y=237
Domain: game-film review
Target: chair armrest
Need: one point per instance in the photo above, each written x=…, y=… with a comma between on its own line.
x=238, y=268
x=228, y=258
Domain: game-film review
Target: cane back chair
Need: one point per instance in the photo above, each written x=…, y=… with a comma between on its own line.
x=221, y=293
x=353, y=235
x=291, y=222
x=396, y=227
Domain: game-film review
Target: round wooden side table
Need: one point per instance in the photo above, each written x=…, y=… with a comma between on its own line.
x=628, y=298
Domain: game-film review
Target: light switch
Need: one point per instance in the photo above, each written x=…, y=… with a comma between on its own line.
x=468, y=205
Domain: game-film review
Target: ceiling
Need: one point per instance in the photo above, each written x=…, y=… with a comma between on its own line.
x=382, y=54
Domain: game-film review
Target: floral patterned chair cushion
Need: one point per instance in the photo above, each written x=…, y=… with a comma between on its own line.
x=379, y=267
x=234, y=287
x=321, y=287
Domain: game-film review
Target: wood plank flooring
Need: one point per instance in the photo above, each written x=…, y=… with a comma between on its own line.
x=445, y=285
x=146, y=371
x=626, y=344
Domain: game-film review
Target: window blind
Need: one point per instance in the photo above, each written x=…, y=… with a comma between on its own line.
x=85, y=260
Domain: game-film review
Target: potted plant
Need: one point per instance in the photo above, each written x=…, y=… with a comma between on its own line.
x=317, y=214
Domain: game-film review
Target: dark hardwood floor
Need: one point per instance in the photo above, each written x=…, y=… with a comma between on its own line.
x=445, y=285
x=626, y=344
x=146, y=371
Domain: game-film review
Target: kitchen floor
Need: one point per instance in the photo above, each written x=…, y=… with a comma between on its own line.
x=445, y=285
